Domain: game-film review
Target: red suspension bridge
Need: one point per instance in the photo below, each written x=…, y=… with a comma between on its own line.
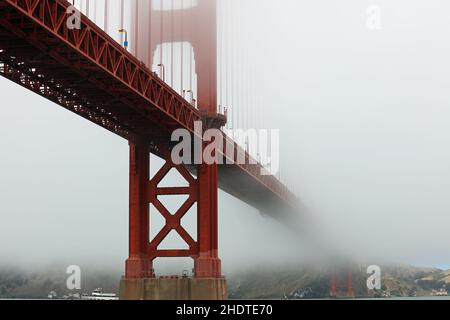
x=166, y=69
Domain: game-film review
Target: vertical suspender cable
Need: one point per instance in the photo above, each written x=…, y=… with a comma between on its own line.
x=171, y=44
x=244, y=81
x=122, y=15
x=240, y=76
x=136, y=29
x=235, y=69
x=232, y=73
x=191, y=72
x=248, y=89
x=182, y=47
x=246, y=92
x=161, y=10
x=106, y=16
x=250, y=92
x=243, y=90
x=149, y=30
x=245, y=84
x=191, y=75
x=250, y=107
x=219, y=53
x=247, y=79
x=238, y=100
x=94, y=14
x=231, y=53
x=253, y=109
x=227, y=57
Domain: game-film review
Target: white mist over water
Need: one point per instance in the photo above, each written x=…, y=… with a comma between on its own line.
x=364, y=127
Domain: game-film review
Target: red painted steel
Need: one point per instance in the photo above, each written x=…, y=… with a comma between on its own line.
x=336, y=287
x=208, y=265
x=173, y=221
x=143, y=191
x=196, y=25
x=200, y=29
x=139, y=264
x=90, y=74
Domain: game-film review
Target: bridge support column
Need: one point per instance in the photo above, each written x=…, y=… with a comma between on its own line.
x=138, y=265
x=336, y=288
x=207, y=263
x=140, y=282
x=199, y=28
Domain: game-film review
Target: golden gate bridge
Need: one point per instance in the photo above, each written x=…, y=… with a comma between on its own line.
x=143, y=69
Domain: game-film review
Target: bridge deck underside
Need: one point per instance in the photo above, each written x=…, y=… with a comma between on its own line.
x=36, y=58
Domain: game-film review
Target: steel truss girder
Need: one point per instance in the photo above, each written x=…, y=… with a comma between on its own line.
x=131, y=101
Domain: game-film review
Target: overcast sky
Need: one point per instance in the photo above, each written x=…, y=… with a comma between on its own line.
x=364, y=117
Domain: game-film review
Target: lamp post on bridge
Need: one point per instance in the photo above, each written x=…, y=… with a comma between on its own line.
x=208, y=283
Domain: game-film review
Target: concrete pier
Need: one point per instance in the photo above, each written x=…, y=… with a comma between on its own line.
x=173, y=289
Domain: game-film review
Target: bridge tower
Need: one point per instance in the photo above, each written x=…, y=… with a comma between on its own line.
x=200, y=29
x=335, y=286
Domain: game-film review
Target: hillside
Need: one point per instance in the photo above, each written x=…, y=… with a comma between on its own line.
x=259, y=283
x=398, y=280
